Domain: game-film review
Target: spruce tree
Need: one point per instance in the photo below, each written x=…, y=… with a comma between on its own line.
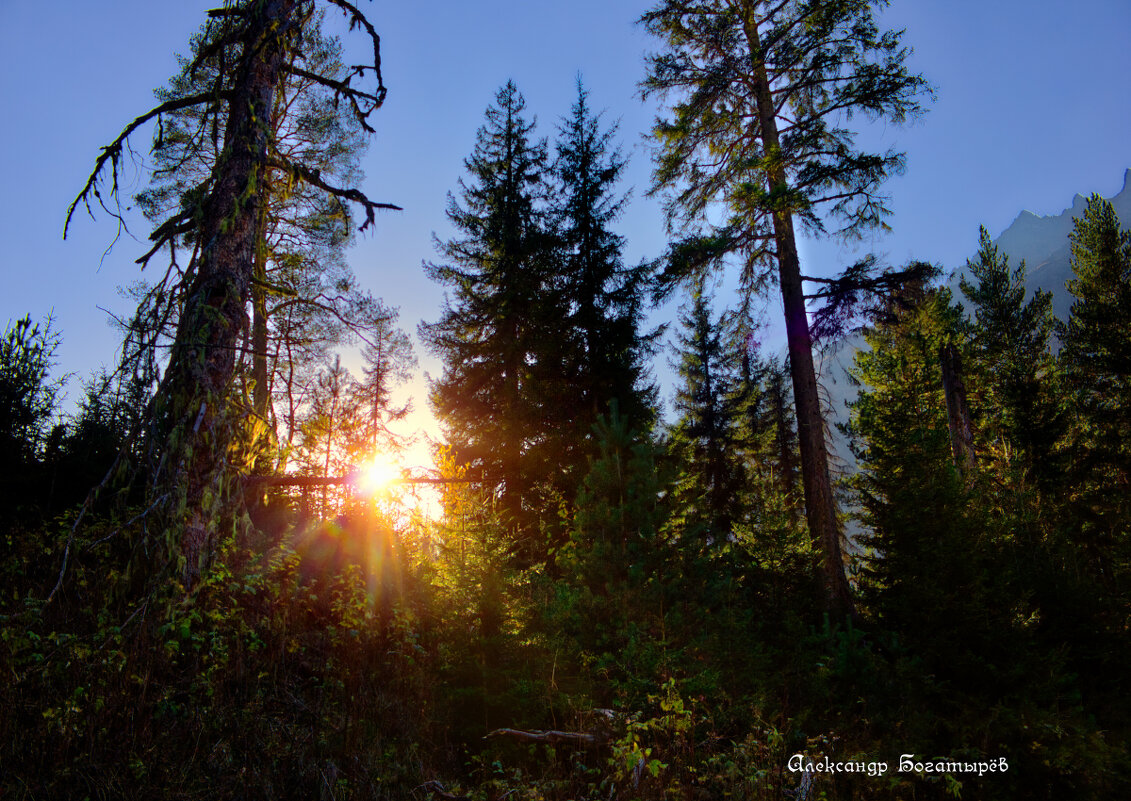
x=1009, y=341
x=492, y=334
x=767, y=430
x=604, y=298
x=1095, y=360
x=618, y=513
x=1096, y=354
x=924, y=576
x=705, y=438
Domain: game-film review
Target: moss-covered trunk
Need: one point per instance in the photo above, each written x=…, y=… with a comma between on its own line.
x=197, y=420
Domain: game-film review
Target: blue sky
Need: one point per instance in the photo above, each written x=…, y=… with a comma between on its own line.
x=1032, y=108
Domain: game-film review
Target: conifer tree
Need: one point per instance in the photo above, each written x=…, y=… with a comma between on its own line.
x=760, y=93
x=705, y=438
x=329, y=415
x=1009, y=341
x=28, y=399
x=1096, y=355
x=1095, y=360
x=389, y=360
x=305, y=299
x=618, y=515
x=194, y=451
x=491, y=335
x=603, y=296
x=924, y=575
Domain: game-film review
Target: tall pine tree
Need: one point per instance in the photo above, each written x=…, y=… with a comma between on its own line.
x=196, y=425
x=757, y=142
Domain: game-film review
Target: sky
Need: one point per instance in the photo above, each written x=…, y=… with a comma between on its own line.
x=1031, y=109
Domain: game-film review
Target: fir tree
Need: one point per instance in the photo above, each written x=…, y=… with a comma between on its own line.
x=767, y=429
x=617, y=518
x=603, y=296
x=1096, y=355
x=925, y=574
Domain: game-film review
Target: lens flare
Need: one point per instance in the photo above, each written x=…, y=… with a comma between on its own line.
x=376, y=475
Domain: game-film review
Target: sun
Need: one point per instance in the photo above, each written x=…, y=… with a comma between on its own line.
x=376, y=475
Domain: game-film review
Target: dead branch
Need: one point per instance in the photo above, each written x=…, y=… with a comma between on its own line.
x=113, y=151
x=359, y=20
x=313, y=178
x=165, y=233
x=343, y=89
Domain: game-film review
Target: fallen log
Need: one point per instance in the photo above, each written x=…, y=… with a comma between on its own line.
x=575, y=738
x=438, y=790
x=323, y=481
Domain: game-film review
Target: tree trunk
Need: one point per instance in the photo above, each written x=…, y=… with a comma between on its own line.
x=820, y=505
x=783, y=437
x=329, y=448
x=260, y=395
x=194, y=422
x=957, y=412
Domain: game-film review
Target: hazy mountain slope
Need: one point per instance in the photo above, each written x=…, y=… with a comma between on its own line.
x=1043, y=243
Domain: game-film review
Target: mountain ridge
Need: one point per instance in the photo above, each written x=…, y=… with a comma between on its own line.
x=1042, y=241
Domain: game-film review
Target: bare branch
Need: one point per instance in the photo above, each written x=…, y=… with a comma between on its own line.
x=113, y=151
x=357, y=19
x=313, y=178
x=166, y=232
x=343, y=89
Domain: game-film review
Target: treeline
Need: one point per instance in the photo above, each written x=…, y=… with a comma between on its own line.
x=609, y=605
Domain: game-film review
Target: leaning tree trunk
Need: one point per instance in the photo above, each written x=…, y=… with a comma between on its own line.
x=820, y=505
x=195, y=422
